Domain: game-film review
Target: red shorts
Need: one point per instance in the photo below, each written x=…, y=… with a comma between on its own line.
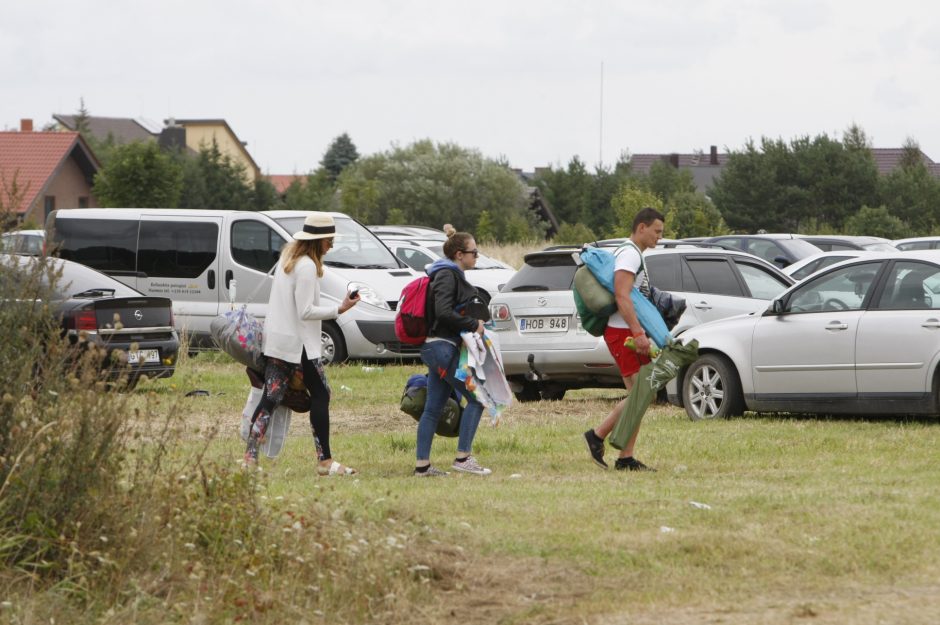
x=628, y=360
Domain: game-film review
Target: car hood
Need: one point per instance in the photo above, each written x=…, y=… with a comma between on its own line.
x=708, y=334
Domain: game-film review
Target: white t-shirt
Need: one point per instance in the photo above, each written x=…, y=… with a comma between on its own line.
x=627, y=258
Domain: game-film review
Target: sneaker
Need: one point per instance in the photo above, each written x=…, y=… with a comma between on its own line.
x=595, y=445
x=631, y=464
x=431, y=472
x=470, y=465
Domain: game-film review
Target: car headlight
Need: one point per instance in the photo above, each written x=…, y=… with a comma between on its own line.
x=368, y=295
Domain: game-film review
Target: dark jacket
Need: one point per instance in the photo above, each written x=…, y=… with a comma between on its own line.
x=454, y=304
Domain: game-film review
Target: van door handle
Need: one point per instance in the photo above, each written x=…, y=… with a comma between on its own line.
x=931, y=323
x=702, y=306
x=229, y=274
x=835, y=325
x=211, y=278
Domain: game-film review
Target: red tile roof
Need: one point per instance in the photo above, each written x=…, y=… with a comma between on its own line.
x=282, y=181
x=33, y=157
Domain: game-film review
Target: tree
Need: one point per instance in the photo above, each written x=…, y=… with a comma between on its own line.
x=784, y=186
x=628, y=202
x=573, y=234
x=12, y=194
x=432, y=184
x=691, y=214
x=341, y=154
x=911, y=193
x=213, y=180
x=139, y=175
x=665, y=181
x=876, y=222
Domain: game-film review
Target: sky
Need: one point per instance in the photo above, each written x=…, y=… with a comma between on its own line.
x=532, y=82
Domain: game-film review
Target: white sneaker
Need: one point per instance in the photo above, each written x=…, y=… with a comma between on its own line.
x=470, y=465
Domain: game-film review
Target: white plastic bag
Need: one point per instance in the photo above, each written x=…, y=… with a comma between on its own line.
x=278, y=426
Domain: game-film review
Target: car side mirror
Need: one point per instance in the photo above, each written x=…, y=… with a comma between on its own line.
x=781, y=261
x=777, y=307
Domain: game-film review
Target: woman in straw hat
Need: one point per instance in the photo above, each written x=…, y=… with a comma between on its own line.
x=292, y=337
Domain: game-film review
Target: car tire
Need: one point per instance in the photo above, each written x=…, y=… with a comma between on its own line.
x=332, y=344
x=711, y=389
x=554, y=393
x=529, y=392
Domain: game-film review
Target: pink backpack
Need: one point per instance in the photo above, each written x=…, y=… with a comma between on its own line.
x=411, y=322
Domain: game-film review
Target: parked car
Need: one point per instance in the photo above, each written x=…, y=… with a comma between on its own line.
x=136, y=330
x=860, y=337
x=779, y=249
x=811, y=264
x=841, y=243
x=489, y=274
x=204, y=259
x=409, y=232
x=546, y=358
x=28, y=242
x=917, y=243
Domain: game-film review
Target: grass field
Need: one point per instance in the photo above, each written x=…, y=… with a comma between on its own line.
x=760, y=519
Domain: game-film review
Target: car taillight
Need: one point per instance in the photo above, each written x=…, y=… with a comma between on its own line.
x=84, y=320
x=499, y=312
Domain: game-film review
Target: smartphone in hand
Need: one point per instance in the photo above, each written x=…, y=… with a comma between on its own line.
x=354, y=294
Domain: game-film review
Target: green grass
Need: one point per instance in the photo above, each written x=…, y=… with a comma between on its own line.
x=804, y=513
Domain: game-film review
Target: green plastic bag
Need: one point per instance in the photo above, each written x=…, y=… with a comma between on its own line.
x=651, y=378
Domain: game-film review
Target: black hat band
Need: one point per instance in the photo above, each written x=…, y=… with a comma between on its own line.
x=319, y=229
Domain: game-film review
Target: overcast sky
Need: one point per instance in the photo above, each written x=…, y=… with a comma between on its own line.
x=515, y=79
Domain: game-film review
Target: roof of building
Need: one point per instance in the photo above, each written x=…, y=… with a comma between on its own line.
x=889, y=159
x=641, y=163
x=33, y=158
x=123, y=129
x=282, y=181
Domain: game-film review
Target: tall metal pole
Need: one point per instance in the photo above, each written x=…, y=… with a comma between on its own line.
x=600, y=149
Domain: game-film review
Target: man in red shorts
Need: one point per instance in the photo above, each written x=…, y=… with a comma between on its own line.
x=628, y=271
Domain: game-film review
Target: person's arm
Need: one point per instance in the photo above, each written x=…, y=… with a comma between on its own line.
x=623, y=286
x=304, y=294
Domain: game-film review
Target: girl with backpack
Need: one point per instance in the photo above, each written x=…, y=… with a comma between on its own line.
x=453, y=306
x=292, y=338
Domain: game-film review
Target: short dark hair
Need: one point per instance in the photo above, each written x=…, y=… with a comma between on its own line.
x=647, y=216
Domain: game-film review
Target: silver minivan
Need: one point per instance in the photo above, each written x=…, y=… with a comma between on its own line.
x=209, y=260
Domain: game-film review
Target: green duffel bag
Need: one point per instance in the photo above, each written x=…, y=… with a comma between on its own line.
x=412, y=403
x=595, y=304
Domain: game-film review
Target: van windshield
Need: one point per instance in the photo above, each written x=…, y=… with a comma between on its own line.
x=353, y=247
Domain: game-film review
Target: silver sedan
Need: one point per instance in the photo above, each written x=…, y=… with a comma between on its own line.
x=861, y=337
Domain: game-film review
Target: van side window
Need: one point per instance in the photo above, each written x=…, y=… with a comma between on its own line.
x=108, y=245
x=176, y=249
x=255, y=245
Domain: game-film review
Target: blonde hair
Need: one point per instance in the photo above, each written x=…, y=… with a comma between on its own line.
x=296, y=249
x=456, y=241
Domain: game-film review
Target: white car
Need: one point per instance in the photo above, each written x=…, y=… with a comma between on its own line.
x=489, y=274
x=917, y=243
x=546, y=351
x=26, y=242
x=861, y=337
x=811, y=264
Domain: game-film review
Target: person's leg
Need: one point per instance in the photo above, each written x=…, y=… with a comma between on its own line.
x=276, y=374
x=437, y=355
x=319, y=389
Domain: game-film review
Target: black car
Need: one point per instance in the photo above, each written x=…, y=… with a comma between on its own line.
x=779, y=249
x=136, y=331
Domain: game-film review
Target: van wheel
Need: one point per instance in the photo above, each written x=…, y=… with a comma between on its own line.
x=332, y=344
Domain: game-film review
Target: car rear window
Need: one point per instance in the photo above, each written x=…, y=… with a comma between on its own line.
x=554, y=272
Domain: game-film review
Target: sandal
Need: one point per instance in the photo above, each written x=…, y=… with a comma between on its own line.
x=335, y=469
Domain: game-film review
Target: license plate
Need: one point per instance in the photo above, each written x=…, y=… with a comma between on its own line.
x=543, y=324
x=143, y=355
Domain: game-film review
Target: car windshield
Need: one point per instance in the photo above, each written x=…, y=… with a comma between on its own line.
x=543, y=273
x=354, y=246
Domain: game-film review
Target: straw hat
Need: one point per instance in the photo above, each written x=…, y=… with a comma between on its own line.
x=317, y=226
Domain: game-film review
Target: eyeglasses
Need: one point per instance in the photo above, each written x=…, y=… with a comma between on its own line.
x=476, y=253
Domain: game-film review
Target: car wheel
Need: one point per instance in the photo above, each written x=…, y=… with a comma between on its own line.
x=332, y=346
x=711, y=389
x=529, y=392
x=553, y=393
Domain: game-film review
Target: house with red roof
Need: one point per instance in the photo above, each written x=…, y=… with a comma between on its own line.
x=43, y=171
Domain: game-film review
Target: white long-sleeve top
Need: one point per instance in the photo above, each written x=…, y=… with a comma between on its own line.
x=293, y=322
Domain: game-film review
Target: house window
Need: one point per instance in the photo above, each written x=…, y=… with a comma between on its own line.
x=83, y=201
x=49, y=204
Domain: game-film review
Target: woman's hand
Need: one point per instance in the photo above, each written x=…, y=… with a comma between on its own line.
x=479, y=327
x=348, y=302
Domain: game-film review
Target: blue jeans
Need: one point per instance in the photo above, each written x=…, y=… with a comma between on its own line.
x=441, y=359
